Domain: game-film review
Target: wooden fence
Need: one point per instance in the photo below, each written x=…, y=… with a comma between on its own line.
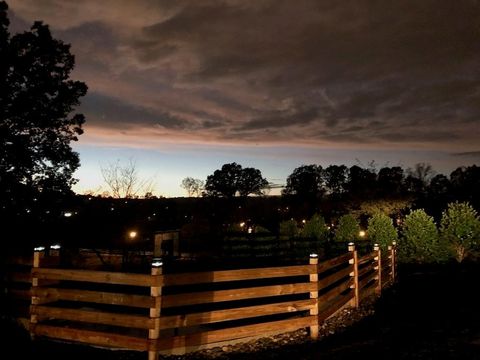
x=172, y=313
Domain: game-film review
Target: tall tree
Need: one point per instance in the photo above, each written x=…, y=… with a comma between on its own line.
x=251, y=182
x=418, y=178
x=439, y=186
x=465, y=182
x=422, y=171
x=192, y=186
x=305, y=181
x=335, y=177
x=124, y=180
x=232, y=179
x=361, y=182
x=37, y=99
x=390, y=180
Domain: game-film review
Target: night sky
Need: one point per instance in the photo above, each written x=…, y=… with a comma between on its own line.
x=183, y=87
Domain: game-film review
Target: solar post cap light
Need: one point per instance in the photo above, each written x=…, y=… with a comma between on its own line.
x=39, y=248
x=157, y=262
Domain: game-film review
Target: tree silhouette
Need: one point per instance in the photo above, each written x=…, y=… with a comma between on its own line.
x=251, y=182
x=361, y=182
x=124, y=180
x=36, y=126
x=192, y=186
x=305, y=181
x=465, y=183
x=335, y=178
x=390, y=180
x=232, y=179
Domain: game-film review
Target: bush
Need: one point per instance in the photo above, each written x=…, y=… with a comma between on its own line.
x=381, y=230
x=348, y=229
x=460, y=229
x=420, y=241
x=316, y=228
x=289, y=228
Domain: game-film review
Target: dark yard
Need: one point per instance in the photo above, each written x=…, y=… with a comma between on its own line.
x=431, y=313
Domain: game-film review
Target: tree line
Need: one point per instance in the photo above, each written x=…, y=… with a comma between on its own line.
x=314, y=182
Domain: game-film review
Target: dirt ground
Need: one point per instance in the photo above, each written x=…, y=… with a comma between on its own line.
x=431, y=313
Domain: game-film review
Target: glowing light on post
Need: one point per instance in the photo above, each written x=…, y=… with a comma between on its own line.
x=157, y=262
x=249, y=230
x=132, y=234
x=242, y=224
x=39, y=248
x=362, y=233
x=55, y=247
x=67, y=214
x=313, y=256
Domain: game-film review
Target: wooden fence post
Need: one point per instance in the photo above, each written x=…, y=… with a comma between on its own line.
x=378, y=258
x=38, y=254
x=394, y=260
x=156, y=293
x=355, y=302
x=314, y=295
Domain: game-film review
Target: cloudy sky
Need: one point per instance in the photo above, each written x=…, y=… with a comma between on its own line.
x=183, y=87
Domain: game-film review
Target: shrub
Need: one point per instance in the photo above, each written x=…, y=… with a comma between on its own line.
x=289, y=228
x=460, y=229
x=316, y=228
x=381, y=230
x=420, y=241
x=348, y=229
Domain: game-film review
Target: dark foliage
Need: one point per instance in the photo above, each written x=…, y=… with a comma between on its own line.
x=232, y=179
x=37, y=98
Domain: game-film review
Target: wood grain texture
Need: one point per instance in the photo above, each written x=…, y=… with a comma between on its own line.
x=92, y=316
x=92, y=337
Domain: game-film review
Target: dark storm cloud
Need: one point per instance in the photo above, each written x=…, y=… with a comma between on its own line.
x=475, y=154
x=104, y=111
x=394, y=63
x=280, y=119
x=356, y=72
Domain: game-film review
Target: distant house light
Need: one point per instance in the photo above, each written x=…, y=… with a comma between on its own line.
x=362, y=233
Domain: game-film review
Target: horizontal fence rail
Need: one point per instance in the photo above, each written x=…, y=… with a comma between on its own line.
x=174, y=313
